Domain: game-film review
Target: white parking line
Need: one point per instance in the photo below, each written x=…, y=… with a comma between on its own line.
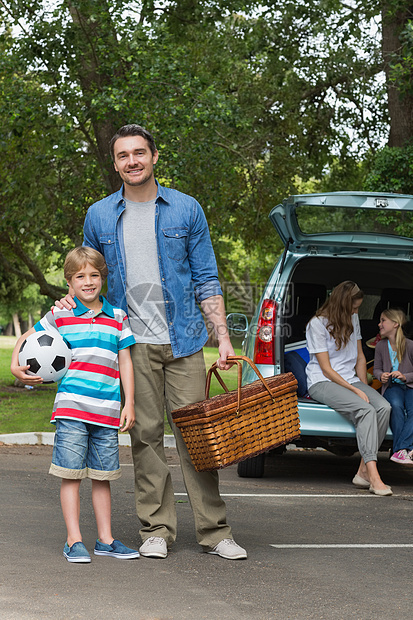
x=291, y=495
x=332, y=495
x=340, y=546
x=315, y=495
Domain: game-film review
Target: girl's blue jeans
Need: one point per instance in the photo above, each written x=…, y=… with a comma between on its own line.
x=401, y=418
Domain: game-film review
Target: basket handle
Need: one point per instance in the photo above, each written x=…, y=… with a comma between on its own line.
x=237, y=359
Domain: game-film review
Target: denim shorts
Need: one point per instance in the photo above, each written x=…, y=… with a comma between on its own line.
x=83, y=450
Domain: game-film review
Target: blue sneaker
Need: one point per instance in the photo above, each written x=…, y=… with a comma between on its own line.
x=116, y=550
x=76, y=553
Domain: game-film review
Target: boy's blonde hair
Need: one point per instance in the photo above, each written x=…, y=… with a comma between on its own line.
x=79, y=257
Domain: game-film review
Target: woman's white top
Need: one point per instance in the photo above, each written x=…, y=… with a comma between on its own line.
x=343, y=361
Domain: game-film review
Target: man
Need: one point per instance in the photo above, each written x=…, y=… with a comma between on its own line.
x=161, y=265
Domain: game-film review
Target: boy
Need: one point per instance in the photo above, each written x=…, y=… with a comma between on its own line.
x=87, y=405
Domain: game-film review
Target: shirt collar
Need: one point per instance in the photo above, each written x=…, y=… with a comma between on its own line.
x=118, y=196
x=162, y=194
x=106, y=307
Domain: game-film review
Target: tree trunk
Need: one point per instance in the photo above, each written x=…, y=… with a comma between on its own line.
x=35, y=273
x=400, y=104
x=91, y=25
x=16, y=324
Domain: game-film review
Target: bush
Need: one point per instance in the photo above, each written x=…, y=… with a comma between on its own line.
x=392, y=171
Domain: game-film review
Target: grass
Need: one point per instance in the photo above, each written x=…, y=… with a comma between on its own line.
x=23, y=411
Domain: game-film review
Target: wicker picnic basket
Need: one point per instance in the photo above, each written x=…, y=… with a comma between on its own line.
x=241, y=423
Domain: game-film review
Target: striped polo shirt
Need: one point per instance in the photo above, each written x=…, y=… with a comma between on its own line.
x=90, y=389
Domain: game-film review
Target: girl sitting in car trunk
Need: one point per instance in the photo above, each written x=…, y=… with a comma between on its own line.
x=393, y=366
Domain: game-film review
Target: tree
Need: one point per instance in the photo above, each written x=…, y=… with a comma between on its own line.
x=398, y=65
x=391, y=168
x=243, y=98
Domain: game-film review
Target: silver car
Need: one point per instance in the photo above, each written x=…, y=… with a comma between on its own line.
x=328, y=238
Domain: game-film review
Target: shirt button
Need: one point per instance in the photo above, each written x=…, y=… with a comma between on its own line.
x=170, y=323
x=176, y=235
x=93, y=320
x=109, y=241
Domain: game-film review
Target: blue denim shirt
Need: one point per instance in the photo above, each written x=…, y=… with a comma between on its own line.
x=187, y=264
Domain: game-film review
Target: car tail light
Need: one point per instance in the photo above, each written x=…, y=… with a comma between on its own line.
x=264, y=341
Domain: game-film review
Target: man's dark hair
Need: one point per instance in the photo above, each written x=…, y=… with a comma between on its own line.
x=132, y=130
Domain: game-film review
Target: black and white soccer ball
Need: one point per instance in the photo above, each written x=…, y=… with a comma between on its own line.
x=47, y=354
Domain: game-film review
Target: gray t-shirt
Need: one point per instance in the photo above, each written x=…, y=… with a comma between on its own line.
x=146, y=306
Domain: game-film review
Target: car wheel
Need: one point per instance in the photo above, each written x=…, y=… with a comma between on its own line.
x=252, y=468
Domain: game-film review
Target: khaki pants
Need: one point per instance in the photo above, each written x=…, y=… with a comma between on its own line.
x=162, y=380
x=370, y=419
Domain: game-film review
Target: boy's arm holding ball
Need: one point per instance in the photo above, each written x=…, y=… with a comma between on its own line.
x=127, y=418
x=20, y=371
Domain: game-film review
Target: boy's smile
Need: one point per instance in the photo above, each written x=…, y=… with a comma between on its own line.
x=86, y=285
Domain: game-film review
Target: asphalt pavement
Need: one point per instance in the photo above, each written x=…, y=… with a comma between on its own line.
x=318, y=547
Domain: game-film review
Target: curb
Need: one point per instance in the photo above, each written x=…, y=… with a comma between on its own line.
x=46, y=439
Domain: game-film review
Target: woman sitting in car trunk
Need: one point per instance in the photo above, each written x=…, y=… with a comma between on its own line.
x=337, y=377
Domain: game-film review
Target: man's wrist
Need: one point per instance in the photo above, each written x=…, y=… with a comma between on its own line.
x=223, y=335
x=224, y=338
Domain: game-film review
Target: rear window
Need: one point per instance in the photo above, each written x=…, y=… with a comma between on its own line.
x=324, y=219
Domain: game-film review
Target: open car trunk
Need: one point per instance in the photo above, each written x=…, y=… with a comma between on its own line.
x=385, y=283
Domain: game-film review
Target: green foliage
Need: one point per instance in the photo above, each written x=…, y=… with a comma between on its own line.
x=398, y=13
x=243, y=99
x=392, y=171
x=345, y=174
x=14, y=300
x=43, y=178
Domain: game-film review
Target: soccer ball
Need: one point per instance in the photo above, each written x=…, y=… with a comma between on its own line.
x=47, y=354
